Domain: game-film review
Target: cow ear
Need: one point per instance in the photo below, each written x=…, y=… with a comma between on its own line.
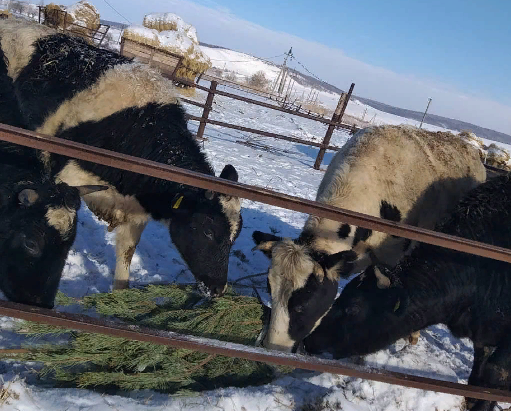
x=264, y=242
x=340, y=264
x=229, y=173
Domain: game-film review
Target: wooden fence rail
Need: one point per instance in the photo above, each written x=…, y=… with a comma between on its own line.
x=138, y=165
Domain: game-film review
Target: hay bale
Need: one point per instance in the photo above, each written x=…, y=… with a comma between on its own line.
x=54, y=16
x=170, y=22
x=84, y=14
x=142, y=35
x=195, y=61
x=5, y=14
x=498, y=157
x=97, y=360
x=475, y=141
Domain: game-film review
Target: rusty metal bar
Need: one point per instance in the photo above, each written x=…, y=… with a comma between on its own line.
x=210, y=346
x=207, y=109
x=262, y=104
x=152, y=168
x=262, y=133
x=326, y=141
x=192, y=102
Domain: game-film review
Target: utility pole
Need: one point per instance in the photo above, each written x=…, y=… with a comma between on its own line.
x=284, y=70
x=424, y=116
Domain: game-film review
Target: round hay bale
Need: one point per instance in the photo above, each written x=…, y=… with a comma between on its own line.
x=84, y=15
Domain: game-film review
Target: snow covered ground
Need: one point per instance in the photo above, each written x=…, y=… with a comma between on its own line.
x=282, y=166
x=285, y=167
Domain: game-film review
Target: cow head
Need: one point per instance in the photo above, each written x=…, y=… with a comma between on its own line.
x=365, y=317
x=303, y=285
x=203, y=230
x=37, y=229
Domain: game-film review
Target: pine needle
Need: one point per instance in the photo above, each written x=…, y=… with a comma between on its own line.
x=95, y=360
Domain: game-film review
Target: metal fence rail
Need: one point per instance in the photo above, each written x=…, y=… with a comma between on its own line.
x=138, y=165
x=134, y=164
x=210, y=346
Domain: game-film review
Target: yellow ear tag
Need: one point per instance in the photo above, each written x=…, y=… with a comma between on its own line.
x=177, y=203
x=397, y=305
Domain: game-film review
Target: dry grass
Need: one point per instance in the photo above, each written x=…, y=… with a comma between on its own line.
x=316, y=107
x=6, y=394
x=187, y=91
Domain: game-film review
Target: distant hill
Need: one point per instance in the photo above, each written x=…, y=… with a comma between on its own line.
x=445, y=122
x=120, y=26
x=439, y=121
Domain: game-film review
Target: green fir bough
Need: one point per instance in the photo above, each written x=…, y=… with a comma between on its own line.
x=89, y=360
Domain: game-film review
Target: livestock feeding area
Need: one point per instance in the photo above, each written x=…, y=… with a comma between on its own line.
x=44, y=369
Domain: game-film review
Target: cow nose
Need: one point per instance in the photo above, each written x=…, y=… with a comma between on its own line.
x=30, y=246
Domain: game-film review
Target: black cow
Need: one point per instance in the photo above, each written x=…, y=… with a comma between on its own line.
x=37, y=229
x=72, y=90
x=470, y=294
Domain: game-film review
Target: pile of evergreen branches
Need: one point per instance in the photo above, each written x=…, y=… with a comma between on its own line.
x=89, y=360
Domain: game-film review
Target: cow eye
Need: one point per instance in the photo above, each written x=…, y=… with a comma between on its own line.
x=209, y=234
x=299, y=308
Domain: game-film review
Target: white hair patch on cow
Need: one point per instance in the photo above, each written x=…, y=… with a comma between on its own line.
x=231, y=207
x=18, y=45
x=108, y=205
x=119, y=88
x=61, y=219
x=292, y=264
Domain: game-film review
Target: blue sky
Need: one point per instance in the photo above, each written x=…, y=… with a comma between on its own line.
x=398, y=52
x=466, y=43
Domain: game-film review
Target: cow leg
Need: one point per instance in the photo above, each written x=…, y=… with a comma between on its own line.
x=126, y=241
x=493, y=372
x=413, y=338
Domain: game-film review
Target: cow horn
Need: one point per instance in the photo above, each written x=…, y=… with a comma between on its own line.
x=209, y=194
x=88, y=189
x=28, y=196
x=382, y=280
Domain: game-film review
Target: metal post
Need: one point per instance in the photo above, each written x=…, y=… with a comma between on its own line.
x=337, y=117
x=424, y=116
x=207, y=109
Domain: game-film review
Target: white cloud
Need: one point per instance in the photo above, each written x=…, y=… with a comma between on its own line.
x=216, y=25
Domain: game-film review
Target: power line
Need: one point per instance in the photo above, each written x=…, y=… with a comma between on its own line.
x=113, y=8
x=265, y=59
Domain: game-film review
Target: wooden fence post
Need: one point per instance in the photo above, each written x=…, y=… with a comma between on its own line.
x=336, y=117
x=207, y=109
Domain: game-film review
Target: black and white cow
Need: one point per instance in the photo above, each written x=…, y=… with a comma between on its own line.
x=37, y=228
x=468, y=293
x=398, y=173
x=72, y=90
